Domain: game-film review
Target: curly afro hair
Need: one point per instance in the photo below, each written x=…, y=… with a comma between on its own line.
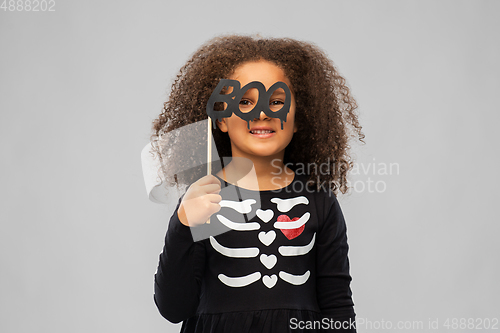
x=325, y=109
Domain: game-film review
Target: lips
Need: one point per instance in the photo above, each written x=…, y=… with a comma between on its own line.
x=261, y=130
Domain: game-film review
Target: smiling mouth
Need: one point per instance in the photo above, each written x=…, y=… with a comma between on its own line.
x=261, y=131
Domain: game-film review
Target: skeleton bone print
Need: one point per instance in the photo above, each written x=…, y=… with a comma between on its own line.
x=276, y=235
x=265, y=257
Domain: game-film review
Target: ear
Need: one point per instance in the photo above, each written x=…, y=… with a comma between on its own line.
x=295, y=128
x=222, y=125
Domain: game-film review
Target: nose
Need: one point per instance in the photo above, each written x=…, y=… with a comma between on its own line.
x=263, y=116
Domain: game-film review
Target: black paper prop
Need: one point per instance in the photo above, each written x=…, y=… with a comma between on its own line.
x=233, y=99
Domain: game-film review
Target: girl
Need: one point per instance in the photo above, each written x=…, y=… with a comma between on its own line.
x=281, y=266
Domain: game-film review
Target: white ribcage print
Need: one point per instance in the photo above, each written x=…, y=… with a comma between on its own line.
x=268, y=260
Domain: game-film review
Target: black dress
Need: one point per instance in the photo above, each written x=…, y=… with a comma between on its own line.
x=269, y=261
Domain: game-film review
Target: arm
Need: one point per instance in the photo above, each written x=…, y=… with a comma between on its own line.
x=182, y=262
x=179, y=273
x=333, y=278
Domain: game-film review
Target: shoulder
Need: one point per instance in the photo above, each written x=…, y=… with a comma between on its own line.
x=323, y=197
x=319, y=189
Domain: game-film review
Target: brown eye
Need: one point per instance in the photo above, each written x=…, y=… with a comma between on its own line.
x=277, y=100
x=249, y=100
x=276, y=105
x=246, y=105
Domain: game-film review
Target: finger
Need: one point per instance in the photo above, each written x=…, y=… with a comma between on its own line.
x=209, y=179
x=210, y=188
x=214, y=208
x=214, y=198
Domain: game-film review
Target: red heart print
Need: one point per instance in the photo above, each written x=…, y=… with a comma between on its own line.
x=290, y=233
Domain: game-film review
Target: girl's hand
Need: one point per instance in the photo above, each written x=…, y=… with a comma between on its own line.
x=200, y=201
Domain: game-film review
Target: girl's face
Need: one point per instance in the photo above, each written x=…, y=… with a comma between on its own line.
x=265, y=136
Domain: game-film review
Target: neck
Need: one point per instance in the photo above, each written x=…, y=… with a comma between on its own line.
x=269, y=171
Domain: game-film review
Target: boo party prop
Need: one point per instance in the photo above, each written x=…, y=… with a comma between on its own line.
x=232, y=100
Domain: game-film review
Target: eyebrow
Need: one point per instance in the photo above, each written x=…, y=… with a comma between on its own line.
x=277, y=92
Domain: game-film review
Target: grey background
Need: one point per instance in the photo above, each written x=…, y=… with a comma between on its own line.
x=79, y=240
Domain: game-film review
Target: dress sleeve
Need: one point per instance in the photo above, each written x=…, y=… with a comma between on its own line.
x=333, y=278
x=179, y=274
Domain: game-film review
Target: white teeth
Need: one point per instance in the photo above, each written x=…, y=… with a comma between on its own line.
x=261, y=131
